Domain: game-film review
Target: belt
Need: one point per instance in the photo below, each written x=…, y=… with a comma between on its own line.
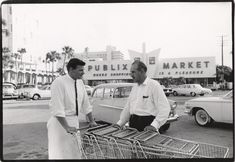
x=146, y=116
x=71, y=115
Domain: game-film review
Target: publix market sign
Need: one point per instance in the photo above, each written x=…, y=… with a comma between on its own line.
x=193, y=67
x=102, y=70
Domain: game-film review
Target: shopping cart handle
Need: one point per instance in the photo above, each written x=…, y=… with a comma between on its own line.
x=86, y=127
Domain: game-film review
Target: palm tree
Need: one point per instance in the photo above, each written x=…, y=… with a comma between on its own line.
x=16, y=56
x=21, y=51
x=6, y=57
x=6, y=60
x=3, y=29
x=52, y=57
x=60, y=71
x=68, y=52
x=223, y=71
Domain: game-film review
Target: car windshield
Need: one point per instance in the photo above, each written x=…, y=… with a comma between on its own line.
x=42, y=87
x=122, y=92
x=7, y=86
x=98, y=93
x=198, y=86
x=29, y=86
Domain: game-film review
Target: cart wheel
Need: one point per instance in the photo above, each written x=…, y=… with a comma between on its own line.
x=164, y=128
x=202, y=118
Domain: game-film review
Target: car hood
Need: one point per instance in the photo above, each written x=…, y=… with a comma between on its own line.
x=205, y=99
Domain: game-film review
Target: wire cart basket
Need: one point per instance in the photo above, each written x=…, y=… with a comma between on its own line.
x=108, y=142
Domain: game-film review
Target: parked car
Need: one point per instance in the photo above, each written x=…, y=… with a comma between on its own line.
x=167, y=91
x=36, y=92
x=23, y=87
x=109, y=99
x=191, y=89
x=212, y=87
x=88, y=89
x=9, y=91
x=208, y=109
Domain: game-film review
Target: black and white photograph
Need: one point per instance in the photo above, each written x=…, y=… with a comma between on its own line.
x=117, y=80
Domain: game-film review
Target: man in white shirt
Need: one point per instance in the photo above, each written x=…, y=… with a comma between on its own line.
x=68, y=99
x=147, y=107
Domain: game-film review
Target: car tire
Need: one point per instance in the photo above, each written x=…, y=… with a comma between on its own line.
x=36, y=96
x=201, y=94
x=164, y=128
x=202, y=118
x=20, y=97
x=193, y=94
x=175, y=93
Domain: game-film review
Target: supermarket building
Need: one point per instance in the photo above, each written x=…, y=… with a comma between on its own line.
x=201, y=70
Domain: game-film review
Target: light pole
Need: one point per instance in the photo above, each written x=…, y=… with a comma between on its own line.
x=222, y=61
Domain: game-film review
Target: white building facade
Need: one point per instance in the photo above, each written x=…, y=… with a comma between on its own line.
x=194, y=69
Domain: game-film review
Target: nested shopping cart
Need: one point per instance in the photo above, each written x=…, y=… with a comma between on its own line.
x=108, y=142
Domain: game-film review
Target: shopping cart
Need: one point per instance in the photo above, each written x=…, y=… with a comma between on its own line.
x=108, y=142
x=151, y=144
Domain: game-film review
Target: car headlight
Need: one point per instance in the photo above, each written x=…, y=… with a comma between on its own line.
x=187, y=105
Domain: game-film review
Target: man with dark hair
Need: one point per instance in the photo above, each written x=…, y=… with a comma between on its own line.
x=147, y=107
x=68, y=99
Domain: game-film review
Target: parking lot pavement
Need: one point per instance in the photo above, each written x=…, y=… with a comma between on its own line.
x=18, y=103
x=25, y=133
x=26, y=141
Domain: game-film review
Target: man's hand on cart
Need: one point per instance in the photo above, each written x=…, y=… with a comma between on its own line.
x=151, y=128
x=71, y=130
x=117, y=126
x=93, y=124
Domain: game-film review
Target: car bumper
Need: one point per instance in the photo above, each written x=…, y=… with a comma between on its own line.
x=5, y=96
x=173, y=118
x=168, y=93
x=188, y=111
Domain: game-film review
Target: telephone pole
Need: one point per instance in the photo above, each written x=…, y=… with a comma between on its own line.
x=222, y=58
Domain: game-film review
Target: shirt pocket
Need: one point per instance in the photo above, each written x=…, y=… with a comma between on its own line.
x=147, y=100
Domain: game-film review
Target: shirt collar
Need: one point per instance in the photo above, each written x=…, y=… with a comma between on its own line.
x=146, y=81
x=69, y=77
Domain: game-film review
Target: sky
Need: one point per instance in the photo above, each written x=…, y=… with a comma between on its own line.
x=179, y=29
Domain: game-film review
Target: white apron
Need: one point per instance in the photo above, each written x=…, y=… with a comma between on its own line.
x=62, y=145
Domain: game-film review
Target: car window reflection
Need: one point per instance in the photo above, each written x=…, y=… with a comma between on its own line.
x=122, y=92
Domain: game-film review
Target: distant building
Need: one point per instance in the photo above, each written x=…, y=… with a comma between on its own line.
x=28, y=73
x=7, y=27
x=25, y=71
x=110, y=54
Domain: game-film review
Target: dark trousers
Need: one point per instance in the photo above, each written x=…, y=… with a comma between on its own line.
x=140, y=122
